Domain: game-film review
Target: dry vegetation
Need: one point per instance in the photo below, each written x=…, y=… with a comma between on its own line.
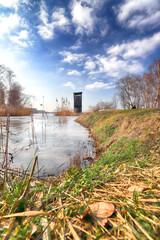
x=117, y=197
x=63, y=108
x=16, y=111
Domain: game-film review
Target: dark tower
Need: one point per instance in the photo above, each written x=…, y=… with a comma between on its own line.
x=78, y=102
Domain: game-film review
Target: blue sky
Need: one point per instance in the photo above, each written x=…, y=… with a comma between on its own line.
x=57, y=47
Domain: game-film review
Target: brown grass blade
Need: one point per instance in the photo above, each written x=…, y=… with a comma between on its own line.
x=27, y=214
x=75, y=235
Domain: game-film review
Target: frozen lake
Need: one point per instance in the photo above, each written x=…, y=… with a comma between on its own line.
x=54, y=142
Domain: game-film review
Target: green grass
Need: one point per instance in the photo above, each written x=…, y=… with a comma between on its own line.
x=68, y=196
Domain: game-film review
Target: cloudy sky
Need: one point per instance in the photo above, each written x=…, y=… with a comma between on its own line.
x=57, y=47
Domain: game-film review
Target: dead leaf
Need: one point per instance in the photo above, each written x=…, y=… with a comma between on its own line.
x=83, y=189
x=88, y=159
x=137, y=188
x=35, y=183
x=38, y=203
x=101, y=210
x=85, y=213
x=52, y=225
x=34, y=229
x=39, y=195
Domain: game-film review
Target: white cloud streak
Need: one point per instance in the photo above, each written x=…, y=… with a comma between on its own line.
x=99, y=85
x=139, y=13
x=145, y=21
x=21, y=39
x=115, y=67
x=72, y=57
x=137, y=48
x=74, y=72
x=69, y=84
x=58, y=21
x=131, y=6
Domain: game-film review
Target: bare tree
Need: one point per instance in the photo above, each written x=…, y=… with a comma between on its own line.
x=2, y=94
x=129, y=91
x=2, y=86
x=101, y=105
x=15, y=95
x=153, y=80
x=11, y=91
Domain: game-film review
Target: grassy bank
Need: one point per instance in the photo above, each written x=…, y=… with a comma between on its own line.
x=117, y=197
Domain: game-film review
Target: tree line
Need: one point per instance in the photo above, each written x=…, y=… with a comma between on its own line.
x=11, y=92
x=135, y=91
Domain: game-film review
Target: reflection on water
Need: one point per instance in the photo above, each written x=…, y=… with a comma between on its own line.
x=54, y=143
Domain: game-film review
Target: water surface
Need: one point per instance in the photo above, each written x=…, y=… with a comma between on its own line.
x=55, y=143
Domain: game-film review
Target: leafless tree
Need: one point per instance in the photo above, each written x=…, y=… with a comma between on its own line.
x=129, y=91
x=11, y=92
x=153, y=80
x=2, y=94
x=15, y=95
x=101, y=105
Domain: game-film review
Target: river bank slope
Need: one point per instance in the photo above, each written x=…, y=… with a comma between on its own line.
x=116, y=197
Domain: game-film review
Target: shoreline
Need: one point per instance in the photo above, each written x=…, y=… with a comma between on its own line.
x=124, y=182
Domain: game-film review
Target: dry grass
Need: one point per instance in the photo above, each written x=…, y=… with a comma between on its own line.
x=127, y=175
x=16, y=112
x=136, y=213
x=65, y=113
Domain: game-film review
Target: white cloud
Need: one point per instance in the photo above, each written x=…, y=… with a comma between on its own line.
x=131, y=6
x=99, y=85
x=139, y=13
x=77, y=45
x=137, y=48
x=72, y=57
x=69, y=84
x=83, y=17
x=74, y=72
x=8, y=23
x=12, y=60
x=12, y=3
x=123, y=58
x=58, y=21
x=97, y=4
x=90, y=64
x=21, y=39
x=115, y=67
x=86, y=17
x=145, y=20
x=103, y=27
x=61, y=69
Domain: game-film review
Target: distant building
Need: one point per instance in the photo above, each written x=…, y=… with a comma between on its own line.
x=78, y=102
